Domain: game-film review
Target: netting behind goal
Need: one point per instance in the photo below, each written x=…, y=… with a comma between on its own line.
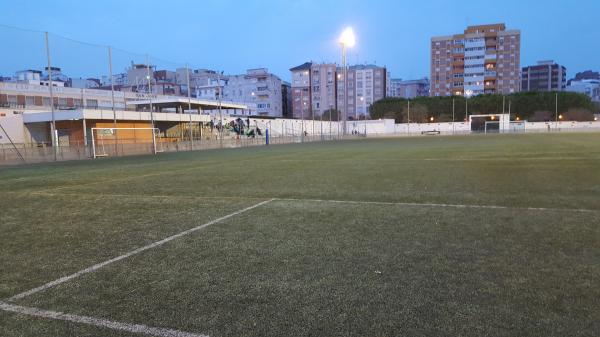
x=125, y=141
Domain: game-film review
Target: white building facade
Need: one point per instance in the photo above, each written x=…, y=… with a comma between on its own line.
x=589, y=87
x=257, y=87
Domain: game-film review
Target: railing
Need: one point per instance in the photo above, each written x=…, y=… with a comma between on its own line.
x=44, y=152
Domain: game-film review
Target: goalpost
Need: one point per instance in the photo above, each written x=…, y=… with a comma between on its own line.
x=107, y=141
x=492, y=127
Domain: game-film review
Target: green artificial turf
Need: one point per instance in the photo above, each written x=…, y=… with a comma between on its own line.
x=315, y=267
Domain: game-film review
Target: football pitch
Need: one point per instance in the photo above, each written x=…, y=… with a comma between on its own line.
x=491, y=235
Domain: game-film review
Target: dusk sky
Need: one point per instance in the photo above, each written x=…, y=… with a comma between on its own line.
x=236, y=35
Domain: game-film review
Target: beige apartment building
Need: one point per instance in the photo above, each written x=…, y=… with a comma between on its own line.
x=313, y=89
x=366, y=84
x=484, y=59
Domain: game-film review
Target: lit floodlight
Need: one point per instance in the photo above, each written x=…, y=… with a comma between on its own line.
x=347, y=38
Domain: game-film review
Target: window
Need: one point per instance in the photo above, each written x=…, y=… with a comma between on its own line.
x=29, y=100
x=91, y=103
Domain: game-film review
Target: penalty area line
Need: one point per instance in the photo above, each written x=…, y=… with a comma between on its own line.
x=131, y=253
x=417, y=204
x=98, y=322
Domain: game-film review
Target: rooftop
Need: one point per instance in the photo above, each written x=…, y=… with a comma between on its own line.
x=304, y=66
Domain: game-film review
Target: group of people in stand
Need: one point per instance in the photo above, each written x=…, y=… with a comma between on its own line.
x=238, y=126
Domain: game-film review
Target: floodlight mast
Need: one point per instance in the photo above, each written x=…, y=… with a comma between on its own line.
x=149, y=78
x=468, y=94
x=347, y=39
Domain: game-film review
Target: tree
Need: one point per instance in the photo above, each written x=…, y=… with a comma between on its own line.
x=541, y=116
x=578, y=115
x=333, y=113
x=526, y=105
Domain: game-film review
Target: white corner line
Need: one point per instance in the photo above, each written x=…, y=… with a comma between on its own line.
x=131, y=253
x=99, y=322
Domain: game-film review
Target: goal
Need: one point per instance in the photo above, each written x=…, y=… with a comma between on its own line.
x=124, y=141
x=492, y=127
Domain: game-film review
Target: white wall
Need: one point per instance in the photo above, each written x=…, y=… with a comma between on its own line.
x=566, y=126
x=13, y=125
x=288, y=127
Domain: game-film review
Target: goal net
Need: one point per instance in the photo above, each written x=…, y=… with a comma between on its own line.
x=492, y=127
x=125, y=141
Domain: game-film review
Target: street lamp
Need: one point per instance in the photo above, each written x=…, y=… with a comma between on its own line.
x=347, y=39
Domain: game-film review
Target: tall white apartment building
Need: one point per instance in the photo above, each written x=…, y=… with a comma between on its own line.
x=482, y=60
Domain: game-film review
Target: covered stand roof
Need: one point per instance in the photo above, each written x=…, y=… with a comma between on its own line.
x=184, y=103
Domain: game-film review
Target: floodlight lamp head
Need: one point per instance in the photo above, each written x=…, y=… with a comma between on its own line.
x=347, y=38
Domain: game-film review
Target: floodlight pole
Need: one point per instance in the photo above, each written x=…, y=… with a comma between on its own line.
x=504, y=112
x=112, y=86
x=453, y=123
x=556, y=109
x=112, y=92
x=220, y=112
x=53, y=125
x=509, y=102
x=302, y=113
x=367, y=110
x=150, y=101
x=189, y=92
x=466, y=108
x=408, y=117
x=330, y=134
x=345, y=70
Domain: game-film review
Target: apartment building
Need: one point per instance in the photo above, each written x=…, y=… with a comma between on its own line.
x=585, y=75
x=301, y=89
x=366, y=85
x=590, y=88
x=483, y=59
x=317, y=88
x=286, y=97
x=204, y=83
x=256, y=87
x=313, y=89
x=544, y=76
x=408, y=88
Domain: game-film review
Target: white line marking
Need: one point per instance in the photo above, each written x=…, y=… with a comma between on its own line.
x=582, y=210
x=99, y=322
x=141, y=196
x=131, y=253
